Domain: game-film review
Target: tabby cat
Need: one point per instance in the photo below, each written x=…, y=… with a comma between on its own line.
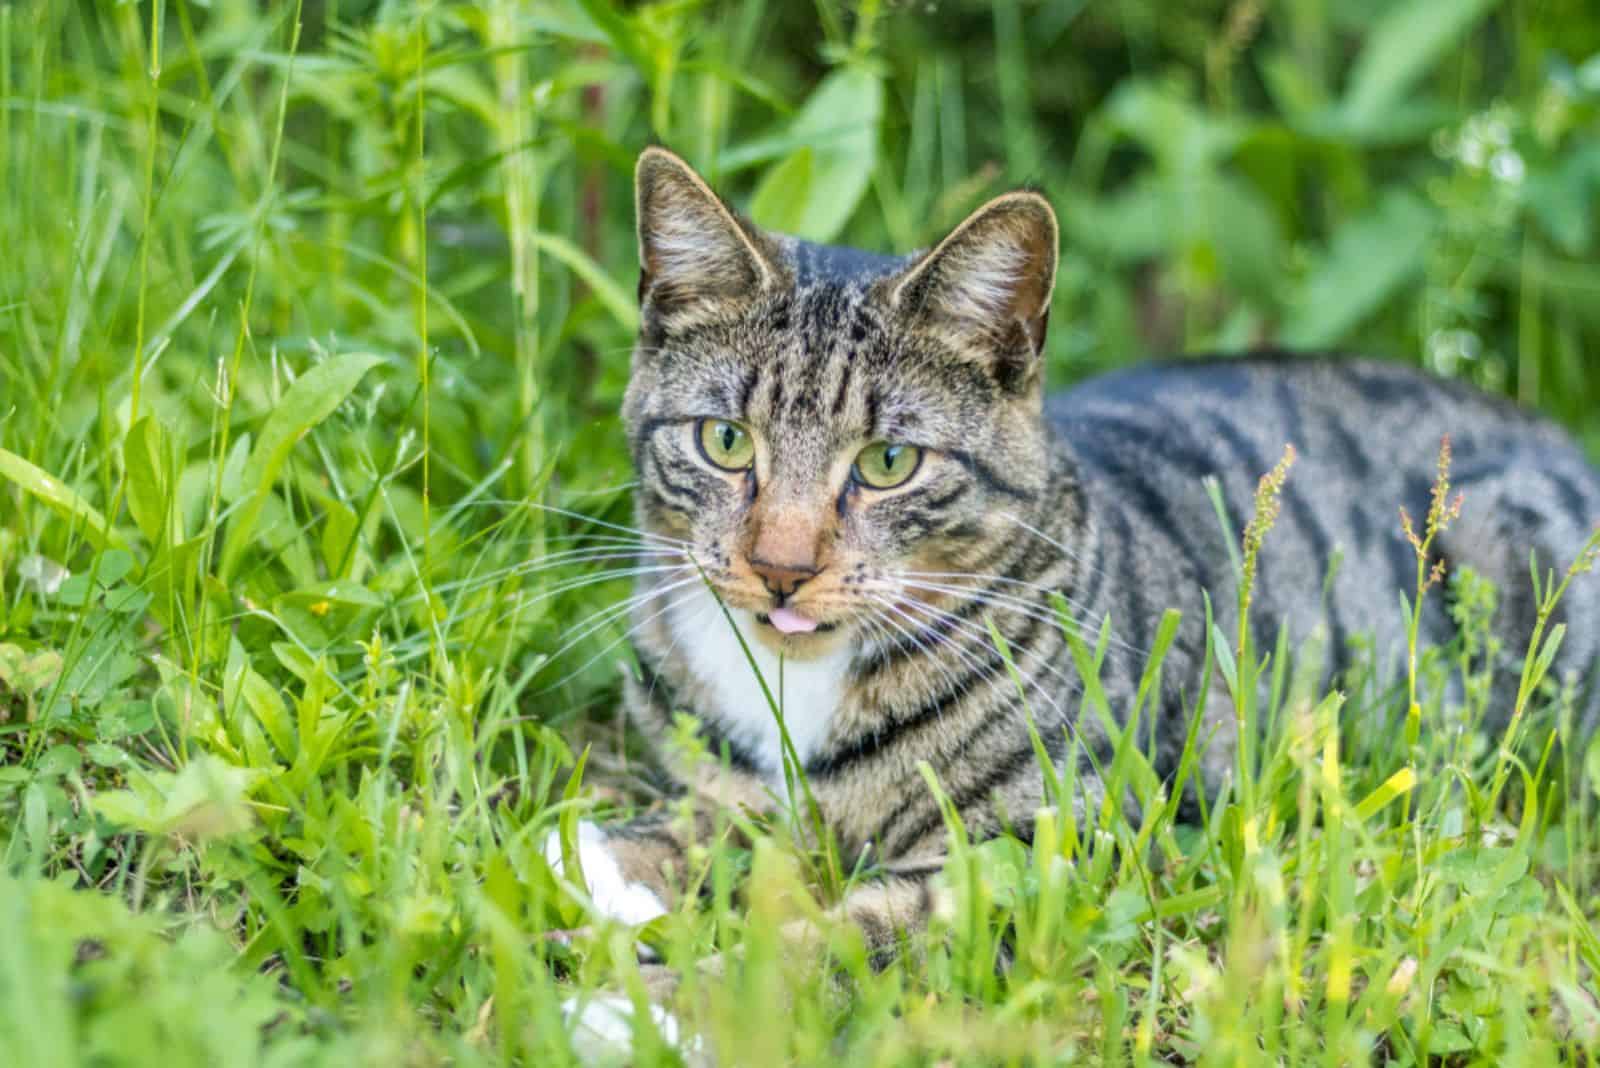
x=848, y=461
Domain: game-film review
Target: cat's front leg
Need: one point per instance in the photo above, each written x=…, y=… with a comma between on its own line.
x=891, y=910
x=633, y=870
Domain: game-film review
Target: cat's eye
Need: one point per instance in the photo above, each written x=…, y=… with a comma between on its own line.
x=885, y=466
x=725, y=444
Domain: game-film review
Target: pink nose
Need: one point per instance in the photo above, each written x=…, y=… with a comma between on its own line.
x=781, y=579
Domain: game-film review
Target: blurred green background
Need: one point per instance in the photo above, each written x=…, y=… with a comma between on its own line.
x=1415, y=179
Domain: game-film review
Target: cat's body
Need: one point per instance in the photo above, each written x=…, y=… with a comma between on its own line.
x=856, y=453
x=1366, y=434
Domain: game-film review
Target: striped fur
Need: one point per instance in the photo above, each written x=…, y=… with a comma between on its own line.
x=1096, y=494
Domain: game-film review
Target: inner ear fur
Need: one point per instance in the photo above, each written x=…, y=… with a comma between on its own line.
x=991, y=278
x=693, y=250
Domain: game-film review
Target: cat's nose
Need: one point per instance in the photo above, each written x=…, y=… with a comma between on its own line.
x=781, y=579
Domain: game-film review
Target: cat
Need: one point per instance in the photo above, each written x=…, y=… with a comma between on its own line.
x=848, y=461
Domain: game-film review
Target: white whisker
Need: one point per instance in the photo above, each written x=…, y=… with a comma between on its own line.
x=1019, y=653
x=1022, y=607
x=950, y=676
x=575, y=558
x=970, y=658
x=661, y=591
x=567, y=585
x=610, y=526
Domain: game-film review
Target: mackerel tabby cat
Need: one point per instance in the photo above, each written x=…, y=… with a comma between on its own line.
x=848, y=461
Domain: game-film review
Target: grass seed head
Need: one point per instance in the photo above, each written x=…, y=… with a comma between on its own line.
x=1443, y=510
x=1267, y=505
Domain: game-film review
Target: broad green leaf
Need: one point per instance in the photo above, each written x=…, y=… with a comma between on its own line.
x=1239, y=224
x=1397, y=785
x=1482, y=870
x=205, y=799
x=839, y=126
x=233, y=469
x=605, y=288
x=1369, y=259
x=150, y=483
x=245, y=692
x=1562, y=198
x=60, y=497
x=1183, y=138
x=311, y=399
x=1403, y=46
x=780, y=202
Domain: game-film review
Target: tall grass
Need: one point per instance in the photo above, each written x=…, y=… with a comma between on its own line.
x=314, y=321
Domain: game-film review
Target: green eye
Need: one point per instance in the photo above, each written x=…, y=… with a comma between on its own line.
x=727, y=445
x=885, y=466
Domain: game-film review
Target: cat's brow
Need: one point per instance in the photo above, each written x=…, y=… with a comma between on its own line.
x=987, y=475
x=656, y=422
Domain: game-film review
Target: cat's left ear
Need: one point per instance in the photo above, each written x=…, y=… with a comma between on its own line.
x=695, y=255
x=990, y=283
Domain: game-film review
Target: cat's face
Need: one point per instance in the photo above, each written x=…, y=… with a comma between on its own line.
x=827, y=429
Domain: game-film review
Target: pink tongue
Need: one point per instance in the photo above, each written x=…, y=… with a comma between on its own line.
x=788, y=621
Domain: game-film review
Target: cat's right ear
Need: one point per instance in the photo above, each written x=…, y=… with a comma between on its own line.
x=695, y=255
x=987, y=286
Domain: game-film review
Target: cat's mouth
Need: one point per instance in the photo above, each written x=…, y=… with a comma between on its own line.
x=788, y=622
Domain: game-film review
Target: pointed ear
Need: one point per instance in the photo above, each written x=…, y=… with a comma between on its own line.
x=693, y=251
x=990, y=282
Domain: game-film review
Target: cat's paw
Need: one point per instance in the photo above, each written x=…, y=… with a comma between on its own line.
x=601, y=1028
x=613, y=895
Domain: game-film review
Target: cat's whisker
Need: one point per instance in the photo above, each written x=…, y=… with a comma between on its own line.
x=646, y=534
x=580, y=555
x=600, y=491
x=1070, y=553
x=611, y=574
x=969, y=657
x=690, y=626
x=988, y=580
x=978, y=635
x=984, y=577
x=921, y=644
x=573, y=559
x=586, y=537
x=1018, y=652
x=667, y=581
x=1026, y=608
x=1073, y=686
x=522, y=601
x=602, y=617
x=629, y=633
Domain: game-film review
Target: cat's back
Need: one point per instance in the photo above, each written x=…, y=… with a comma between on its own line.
x=1329, y=407
x=1144, y=442
x=1358, y=426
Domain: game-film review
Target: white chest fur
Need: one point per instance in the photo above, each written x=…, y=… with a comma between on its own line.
x=809, y=694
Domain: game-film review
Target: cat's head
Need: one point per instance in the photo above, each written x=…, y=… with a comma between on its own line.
x=818, y=423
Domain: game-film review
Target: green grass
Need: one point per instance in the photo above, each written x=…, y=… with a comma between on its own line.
x=314, y=322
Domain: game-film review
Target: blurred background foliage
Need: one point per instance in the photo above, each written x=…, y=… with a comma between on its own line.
x=1413, y=178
